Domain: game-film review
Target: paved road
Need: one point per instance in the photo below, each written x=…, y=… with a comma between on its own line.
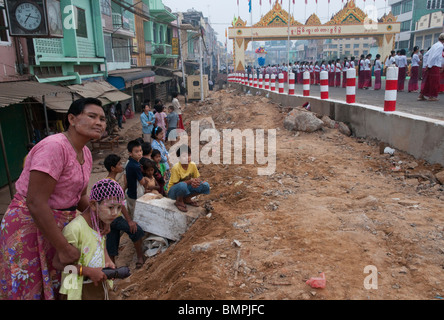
x=406, y=101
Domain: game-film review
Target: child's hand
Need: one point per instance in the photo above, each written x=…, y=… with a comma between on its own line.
x=96, y=275
x=110, y=264
x=132, y=226
x=195, y=182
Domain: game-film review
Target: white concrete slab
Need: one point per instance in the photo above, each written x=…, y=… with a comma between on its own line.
x=161, y=217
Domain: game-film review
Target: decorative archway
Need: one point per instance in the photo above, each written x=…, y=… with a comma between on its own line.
x=350, y=22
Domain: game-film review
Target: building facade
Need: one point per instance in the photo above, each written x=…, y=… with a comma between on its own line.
x=428, y=28
x=408, y=13
x=79, y=55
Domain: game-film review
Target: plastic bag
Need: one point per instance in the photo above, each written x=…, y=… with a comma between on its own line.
x=317, y=282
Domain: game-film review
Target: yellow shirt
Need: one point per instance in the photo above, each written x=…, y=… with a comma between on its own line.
x=92, y=254
x=179, y=174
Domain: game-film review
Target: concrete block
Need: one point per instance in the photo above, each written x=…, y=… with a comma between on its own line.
x=162, y=218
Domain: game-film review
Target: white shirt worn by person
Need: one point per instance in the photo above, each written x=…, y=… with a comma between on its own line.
x=367, y=65
x=176, y=106
x=338, y=67
x=402, y=62
x=435, y=55
x=378, y=65
x=415, y=60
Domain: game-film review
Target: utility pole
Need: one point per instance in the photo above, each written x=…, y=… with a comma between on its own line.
x=200, y=65
x=288, y=40
x=181, y=58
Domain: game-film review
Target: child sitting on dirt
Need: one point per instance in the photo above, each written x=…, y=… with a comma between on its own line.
x=148, y=169
x=87, y=233
x=184, y=181
x=114, y=166
x=159, y=170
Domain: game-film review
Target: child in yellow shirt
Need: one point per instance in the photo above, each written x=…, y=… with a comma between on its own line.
x=184, y=181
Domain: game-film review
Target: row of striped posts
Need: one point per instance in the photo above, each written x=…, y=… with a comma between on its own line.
x=268, y=82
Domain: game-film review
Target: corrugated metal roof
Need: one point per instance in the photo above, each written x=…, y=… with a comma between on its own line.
x=101, y=90
x=59, y=103
x=160, y=79
x=16, y=92
x=129, y=76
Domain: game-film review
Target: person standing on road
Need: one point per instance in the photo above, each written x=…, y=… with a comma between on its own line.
x=368, y=72
x=119, y=114
x=338, y=71
x=378, y=71
x=414, y=71
x=432, y=77
x=361, y=72
x=147, y=119
x=346, y=65
x=178, y=110
x=390, y=60
x=402, y=70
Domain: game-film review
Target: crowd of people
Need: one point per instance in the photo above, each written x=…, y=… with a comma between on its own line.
x=424, y=64
x=57, y=241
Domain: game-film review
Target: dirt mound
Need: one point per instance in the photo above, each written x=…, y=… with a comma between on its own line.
x=334, y=205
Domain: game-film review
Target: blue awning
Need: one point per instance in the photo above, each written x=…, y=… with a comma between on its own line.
x=119, y=80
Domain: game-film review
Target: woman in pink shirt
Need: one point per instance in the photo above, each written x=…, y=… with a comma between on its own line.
x=160, y=117
x=402, y=70
x=50, y=189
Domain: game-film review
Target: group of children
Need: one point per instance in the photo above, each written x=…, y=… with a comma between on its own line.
x=144, y=173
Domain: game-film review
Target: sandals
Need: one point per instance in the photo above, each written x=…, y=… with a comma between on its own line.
x=192, y=203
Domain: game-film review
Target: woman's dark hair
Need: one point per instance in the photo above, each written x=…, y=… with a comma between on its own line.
x=402, y=52
x=159, y=108
x=78, y=106
x=174, y=94
x=156, y=131
x=154, y=153
x=183, y=148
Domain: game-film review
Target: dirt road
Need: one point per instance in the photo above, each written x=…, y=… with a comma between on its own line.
x=334, y=205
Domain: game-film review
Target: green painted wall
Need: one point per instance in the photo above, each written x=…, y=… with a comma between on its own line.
x=13, y=123
x=57, y=52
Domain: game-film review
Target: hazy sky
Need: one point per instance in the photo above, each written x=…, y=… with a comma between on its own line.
x=222, y=12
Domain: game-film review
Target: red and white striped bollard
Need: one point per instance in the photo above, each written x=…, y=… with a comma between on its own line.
x=306, y=84
x=267, y=82
x=291, y=83
x=281, y=83
x=351, y=86
x=261, y=81
x=391, y=89
x=273, y=82
x=324, y=84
